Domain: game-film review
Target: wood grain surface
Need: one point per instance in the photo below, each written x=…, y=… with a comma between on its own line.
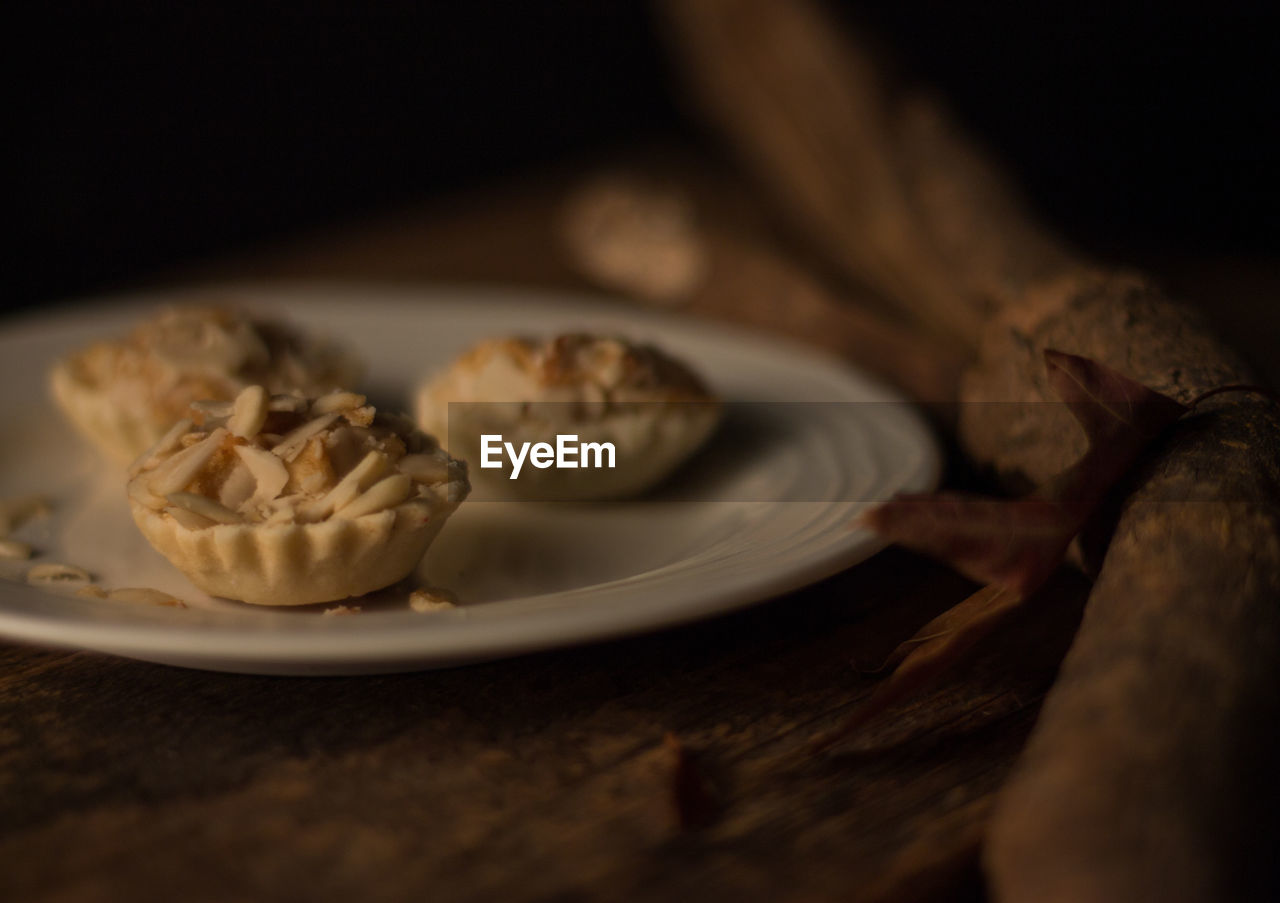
x=544, y=777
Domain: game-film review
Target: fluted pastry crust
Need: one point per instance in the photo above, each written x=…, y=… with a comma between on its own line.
x=279, y=500
x=653, y=408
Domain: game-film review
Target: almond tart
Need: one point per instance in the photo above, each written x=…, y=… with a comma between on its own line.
x=123, y=394
x=281, y=500
x=653, y=409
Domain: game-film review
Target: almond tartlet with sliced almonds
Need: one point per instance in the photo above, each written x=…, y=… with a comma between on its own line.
x=281, y=500
x=122, y=394
x=653, y=409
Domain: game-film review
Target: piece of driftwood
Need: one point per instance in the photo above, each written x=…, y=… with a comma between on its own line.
x=1145, y=777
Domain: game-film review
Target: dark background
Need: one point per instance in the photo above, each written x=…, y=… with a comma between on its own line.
x=147, y=140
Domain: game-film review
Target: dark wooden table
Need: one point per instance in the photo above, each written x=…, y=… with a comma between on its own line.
x=549, y=776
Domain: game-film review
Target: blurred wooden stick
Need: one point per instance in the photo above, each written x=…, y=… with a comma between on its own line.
x=879, y=180
x=661, y=238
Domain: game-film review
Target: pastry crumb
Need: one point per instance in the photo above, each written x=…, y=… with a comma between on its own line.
x=143, y=595
x=432, y=599
x=342, y=610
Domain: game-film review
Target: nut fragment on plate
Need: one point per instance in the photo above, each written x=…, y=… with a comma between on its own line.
x=276, y=502
x=53, y=572
x=144, y=595
x=651, y=408
x=342, y=610
x=123, y=394
x=434, y=598
x=14, y=550
x=15, y=512
x=136, y=595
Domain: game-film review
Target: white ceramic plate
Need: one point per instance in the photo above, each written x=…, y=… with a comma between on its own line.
x=766, y=508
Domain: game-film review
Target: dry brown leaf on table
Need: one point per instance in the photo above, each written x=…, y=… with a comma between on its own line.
x=1013, y=545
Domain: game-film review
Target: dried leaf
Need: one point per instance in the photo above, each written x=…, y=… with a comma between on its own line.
x=935, y=647
x=1119, y=417
x=1013, y=545
x=1017, y=543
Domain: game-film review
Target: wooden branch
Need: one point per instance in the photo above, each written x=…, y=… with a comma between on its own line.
x=1141, y=780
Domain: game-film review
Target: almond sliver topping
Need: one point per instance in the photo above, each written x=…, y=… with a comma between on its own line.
x=425, y=468
x=336, y=402
x=347, y=489
x=212, y=408
x=176, y=472
x=267, y=469
x=293, y=404
x=249, y=412
x=381, y=495
x=238, y=486
x=294, y=441
x=163, y=446
x=138, y=491
x=204, y=506
x=189, y=519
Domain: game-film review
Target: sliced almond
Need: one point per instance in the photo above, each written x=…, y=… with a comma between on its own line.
x=92, y=592
x=347, y=445
x=432, y=599
x=425, y=468
x=339, y=610
x=361, y=416
x=280, y=516
x=204, y=506
x=189, y=519
x=212, y=408
x=360, y=477
x=56, y=572
x=293, y=441
x=311, y=470
x=138, y=491
x=381, y=495
x=239, y=485
x=14, y=550
x=175, y=473
x=249, y=412
x=336, y=402
x=163, y=446
x=293, y=404
x=267, y=470
x=143, y=595
x=16, y=512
